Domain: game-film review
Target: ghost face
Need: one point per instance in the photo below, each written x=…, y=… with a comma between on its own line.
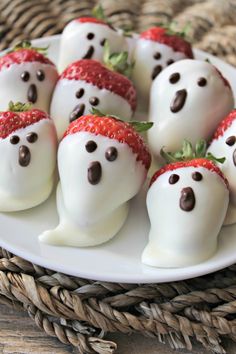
x=86, y=41
x=186, y=208
x=188, y=100
x=150, y=59
x=79, y=98
x=97, y=176
x=28, y=160
x=28, y=82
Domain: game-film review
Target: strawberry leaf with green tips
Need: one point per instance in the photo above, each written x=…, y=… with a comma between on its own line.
x=96, y=112
x=98, y=12
x=25, y=44
x=171, y=29
x=19, y=107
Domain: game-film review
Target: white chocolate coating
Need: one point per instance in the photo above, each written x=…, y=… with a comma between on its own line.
x=219, y=148
x=25, y=187
x=75, y=44
x=145, y=62
x=181, y=238
x=13, y=88
x=203, y=109
x=93, y=214
x=64, y=101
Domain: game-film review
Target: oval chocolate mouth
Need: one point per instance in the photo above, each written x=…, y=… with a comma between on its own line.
x=77, y=112
x=94, y=172
x=32, y=94
x=89, y=53
x=187, y=199
x=24, y=156
x=178, y=101
x=234, y=157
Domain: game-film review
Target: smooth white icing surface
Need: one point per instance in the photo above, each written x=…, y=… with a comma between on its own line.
x=219, y=148
x=75, y=44
x=204, y=107
x=145, y=62
x=13, y=88
x=181, y=238
x=93, y=214
x=25, y=187
x=64, y=101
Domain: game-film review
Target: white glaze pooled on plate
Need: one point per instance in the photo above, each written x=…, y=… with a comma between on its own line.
x=188, y=100
x=179, y=237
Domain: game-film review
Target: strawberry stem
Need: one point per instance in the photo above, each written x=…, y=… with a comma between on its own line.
x=98, y=12
x=25, y=44
x=117, y=61
x=19, y=107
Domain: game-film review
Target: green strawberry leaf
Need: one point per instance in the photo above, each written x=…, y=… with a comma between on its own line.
x=98, y=12
x=25, y=44
x=19, y=107
x=141, y=127
x=96, y=112
x=171, y=29
x=211, y=157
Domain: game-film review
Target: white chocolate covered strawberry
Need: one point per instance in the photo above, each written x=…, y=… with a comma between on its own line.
x=28, y=145
x=27, y=75
x=187, y=202
x=188, y=100
x=103, y=163
x=87, y=84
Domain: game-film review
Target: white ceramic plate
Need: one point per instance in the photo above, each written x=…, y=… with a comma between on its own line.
x=119, y=259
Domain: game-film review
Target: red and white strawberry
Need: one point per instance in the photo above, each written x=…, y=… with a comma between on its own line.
x=187, y=202
x=155, y=49
x=87, y=84
x=103, y=163
x=28, y=145
x=224, y=143
x=84, y=38
x=26, y=75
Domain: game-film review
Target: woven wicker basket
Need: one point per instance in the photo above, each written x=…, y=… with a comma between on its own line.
x=79, y=311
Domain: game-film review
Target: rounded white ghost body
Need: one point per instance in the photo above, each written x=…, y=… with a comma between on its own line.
x=188, y=100
x=105, y=101
x=224, y=146
x=186, y=216
x=93, y=193
x=85, y=40
x=150, y=59
x=28, y=82
x=25, y=184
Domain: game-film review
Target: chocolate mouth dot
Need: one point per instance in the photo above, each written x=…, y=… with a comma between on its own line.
x=156, y=71
x=94, y=172
x=24, y=156
x=32, y=94
x=187, y=199
x=89, y=53
x=178, y=101
x=77, y=112
x=234, y=157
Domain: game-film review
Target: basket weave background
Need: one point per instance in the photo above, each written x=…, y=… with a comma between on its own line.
x=79, y=311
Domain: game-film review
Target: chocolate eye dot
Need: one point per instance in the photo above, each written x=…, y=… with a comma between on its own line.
x=170, y=61
x=111, y=154
x=94, y=101
x=40, y=75
x=103, y=42
x=174, y=78
x=25, y=76
x=91, y=146
x=32, y=137
x=14, y=139
x=173, y=179
x=90, y=36
x=230, y=140
x=157, y=55
x=197, y=176
x=79, y=93
x=202, y=82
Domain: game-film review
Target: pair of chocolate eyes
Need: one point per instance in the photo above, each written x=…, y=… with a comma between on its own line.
x=25, y=76
x=196, y=176
x=91, y=35
x=94, y=101
x=31, y=138
x=110, y=154
x=230, y=140
x=158, y=55
x=175, y=77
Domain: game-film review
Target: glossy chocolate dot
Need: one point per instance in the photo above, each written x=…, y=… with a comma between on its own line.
x=90, y=36
x=170, y=61
x=111, y=154
x=94, y=101
x=14, y=139
x=157, y=55
x=230, y=140
x=79, y=93
x=103, y=42
x=91, y=146
x=32, y=137
x=40, y=75
x=173, y=179
x=156, y=71
x=174, y=78
x=197, y=176
x=202, y=81
x=25, y=76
